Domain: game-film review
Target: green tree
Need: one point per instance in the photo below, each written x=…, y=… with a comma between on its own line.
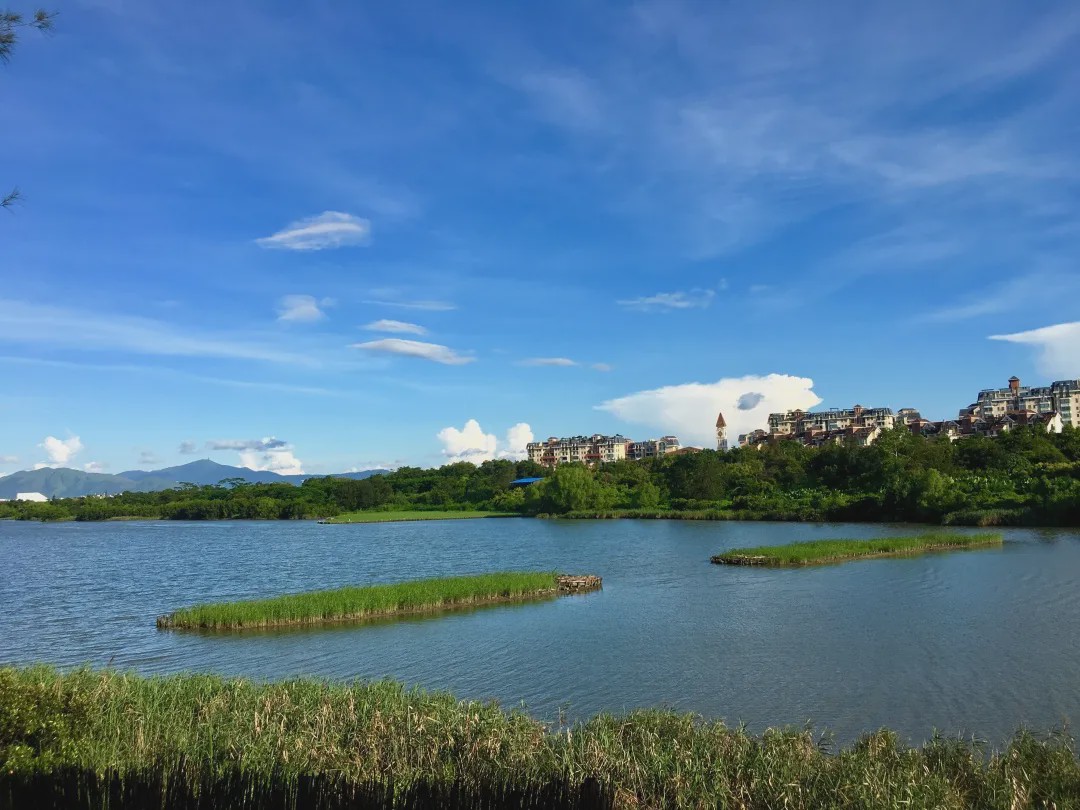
x=12, y=24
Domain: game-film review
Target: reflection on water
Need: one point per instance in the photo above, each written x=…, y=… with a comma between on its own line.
x=976, y=641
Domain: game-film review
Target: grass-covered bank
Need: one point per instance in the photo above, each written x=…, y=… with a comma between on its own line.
x=383, y=732
x=352, y=603
x=398, y=516
x=818, y=552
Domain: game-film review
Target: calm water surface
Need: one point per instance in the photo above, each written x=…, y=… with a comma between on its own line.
x=973, y=642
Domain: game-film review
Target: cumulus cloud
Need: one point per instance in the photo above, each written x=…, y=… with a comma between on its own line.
x=59, y=451
x=669, y=302
x=426, y=306
x=9, y=459
x=280, y=460
x=415, y=348
x=330, y=229
x=471, y=443
x=302, y=308
x=1058, y=347
x=93, y=467
x=398, y=327
x=267, y=454
x=188, y=448
x=689, y=410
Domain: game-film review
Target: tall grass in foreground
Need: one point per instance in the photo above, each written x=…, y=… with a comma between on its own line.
x=385, y=733
x=826, y=551
x=355, y=603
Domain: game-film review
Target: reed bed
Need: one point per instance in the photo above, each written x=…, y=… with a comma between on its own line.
x=351, y=603
x=819, y=552
x=201, y=727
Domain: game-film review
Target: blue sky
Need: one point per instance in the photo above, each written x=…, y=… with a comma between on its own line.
x=325, y=236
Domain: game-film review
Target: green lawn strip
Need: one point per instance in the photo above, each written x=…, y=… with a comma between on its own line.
x=828, y=551
x=360, y=602
x=393, y=517
x=386, y=732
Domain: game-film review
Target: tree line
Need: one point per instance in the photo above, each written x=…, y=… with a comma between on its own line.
x=1024, y=477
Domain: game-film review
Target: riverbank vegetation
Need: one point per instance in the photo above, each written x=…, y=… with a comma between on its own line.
x=1023, y=477
x=385, y=733
x=403, y=516
x=820, y=552
x=342, y=604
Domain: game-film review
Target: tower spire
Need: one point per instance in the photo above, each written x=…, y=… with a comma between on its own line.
x=721, y=433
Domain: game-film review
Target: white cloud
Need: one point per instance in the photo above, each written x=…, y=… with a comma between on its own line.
x=1058, y=347
x=549, y=361
x=34, y=324
x=330, y=229
x=267, y=454
x=689, y=410
x=302, y=308
x=188, y=447
x=468, y=444
x=601, y=367
x=9, y=459
x=427, y=306
x=399, y=327
x=59, y=451
x=280, y=460
x=415, y=348
x=148, y=457
x=471, y=443
x=668, y=302
x=516, y=438
x=93, y=467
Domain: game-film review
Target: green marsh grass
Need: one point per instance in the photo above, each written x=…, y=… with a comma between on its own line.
x=384, y=732
x=830, y=551
x=342, y=604
x=395, y=517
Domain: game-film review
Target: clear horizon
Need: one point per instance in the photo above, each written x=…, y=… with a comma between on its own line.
x=314, y=240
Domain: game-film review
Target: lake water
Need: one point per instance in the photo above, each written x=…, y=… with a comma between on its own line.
x=974, y=642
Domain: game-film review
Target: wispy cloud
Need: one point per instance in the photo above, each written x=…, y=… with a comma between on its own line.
x=303, y=308
x=415, y=348
x=426, y=306
x=94, y=467
x=9, y=459
x=188, y=448
x=549, y=361
x=1058, y=347
x=330, y=229
x=400, y=327
x=148, y=458
x=669, y=302
x=269, y=443
x=42, y=324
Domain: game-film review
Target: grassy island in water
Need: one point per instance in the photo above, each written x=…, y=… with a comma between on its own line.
x=820, y=552
x=410, y=515
x=57, y=726
x=356, y=603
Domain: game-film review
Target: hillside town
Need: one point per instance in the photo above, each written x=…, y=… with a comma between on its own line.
x=995, y=411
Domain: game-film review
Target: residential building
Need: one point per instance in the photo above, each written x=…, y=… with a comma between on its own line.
x=1061, y=397
x=815, y=428
x=651, y=448
x=598, y=449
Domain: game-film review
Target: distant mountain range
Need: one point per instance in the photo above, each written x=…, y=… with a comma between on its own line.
x=65, y=483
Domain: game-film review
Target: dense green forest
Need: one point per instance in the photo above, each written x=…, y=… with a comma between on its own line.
x=1023, y=477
